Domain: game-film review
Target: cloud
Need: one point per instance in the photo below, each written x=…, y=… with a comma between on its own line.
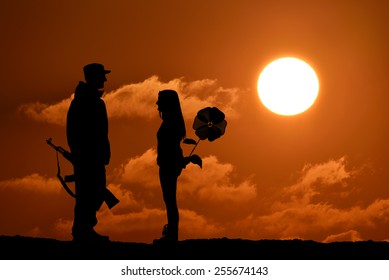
x=136, y=220
x=193, y=225
x=301, y=211
x=138, y=100
x=35, y=232
x=330, y=172
x=296, y=215
x=214, y=183
x=351, y=235
x=33, y=182
x=141, y=169
x=127, y=199
x=62, y=229
x=317, y=177
x=54, y=114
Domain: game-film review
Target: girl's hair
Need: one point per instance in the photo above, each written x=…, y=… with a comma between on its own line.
x=170, y=110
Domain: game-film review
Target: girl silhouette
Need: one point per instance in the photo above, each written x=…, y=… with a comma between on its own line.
x=170, y=159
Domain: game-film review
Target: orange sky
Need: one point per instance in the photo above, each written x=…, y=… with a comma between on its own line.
x=321, y=175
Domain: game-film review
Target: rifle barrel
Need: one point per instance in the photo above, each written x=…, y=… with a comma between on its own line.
x=48, y=141
x=61, y=150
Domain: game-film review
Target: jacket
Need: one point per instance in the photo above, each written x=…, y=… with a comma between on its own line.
x=87, y=127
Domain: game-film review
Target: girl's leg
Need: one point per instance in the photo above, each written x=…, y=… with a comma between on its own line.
x=168, y=179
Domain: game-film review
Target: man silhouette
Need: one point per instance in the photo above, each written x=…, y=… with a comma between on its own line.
x=87, y=136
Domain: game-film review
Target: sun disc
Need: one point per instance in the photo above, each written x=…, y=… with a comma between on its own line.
x=288, y=86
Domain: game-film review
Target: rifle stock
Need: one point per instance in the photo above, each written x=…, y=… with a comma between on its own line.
x=109, y=197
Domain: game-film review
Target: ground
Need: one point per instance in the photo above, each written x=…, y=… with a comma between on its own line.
x=28, y=248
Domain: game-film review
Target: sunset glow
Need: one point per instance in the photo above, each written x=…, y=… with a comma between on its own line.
x=319, y=175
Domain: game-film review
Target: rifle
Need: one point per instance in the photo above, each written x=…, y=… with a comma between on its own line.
x=109, y=197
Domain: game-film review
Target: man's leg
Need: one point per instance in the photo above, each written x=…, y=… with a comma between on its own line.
x=89, y=198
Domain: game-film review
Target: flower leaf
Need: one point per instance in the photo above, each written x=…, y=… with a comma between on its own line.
x=189, y=141
x=195, y=159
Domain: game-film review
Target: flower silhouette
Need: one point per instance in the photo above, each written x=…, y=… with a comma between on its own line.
x=210, y=124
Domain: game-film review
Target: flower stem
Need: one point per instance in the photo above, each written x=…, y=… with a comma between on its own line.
x=194, y=147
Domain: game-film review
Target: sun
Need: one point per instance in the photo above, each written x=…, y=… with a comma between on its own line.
x=288, y=86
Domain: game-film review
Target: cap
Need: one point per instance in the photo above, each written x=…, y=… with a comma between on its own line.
x=95, y=69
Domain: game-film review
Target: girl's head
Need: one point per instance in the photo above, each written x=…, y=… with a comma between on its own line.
x=170, y=110
x=168, y=101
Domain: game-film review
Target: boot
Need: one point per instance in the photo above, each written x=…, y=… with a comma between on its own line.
x=169, y=236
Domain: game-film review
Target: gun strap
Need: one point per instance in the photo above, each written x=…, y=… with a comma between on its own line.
x=63, y=183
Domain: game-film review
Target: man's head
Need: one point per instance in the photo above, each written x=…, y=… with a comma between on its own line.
x=94, y=74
